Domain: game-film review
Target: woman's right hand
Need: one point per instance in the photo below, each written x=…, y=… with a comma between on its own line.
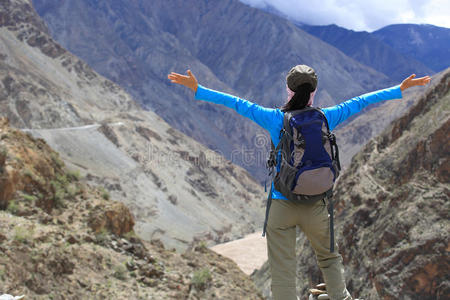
x=189, y=81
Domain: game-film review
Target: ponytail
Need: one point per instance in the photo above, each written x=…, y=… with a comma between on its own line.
x=300, y=98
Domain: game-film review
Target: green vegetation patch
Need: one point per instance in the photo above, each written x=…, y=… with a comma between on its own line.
x=29, y=198
x=102, y=236
x=22, y=234
x=12, y=207
x=120, y=272
x=104, y=193
x=56, y=159
x=64, y=187
x=73, y=175
x=201, y=278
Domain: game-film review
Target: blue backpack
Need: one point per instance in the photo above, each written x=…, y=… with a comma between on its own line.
x=306, y=160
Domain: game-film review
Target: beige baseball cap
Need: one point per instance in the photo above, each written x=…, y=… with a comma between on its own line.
x=299, y=75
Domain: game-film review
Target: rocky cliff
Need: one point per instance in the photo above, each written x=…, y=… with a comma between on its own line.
x=44, y=86
x=393, y=209
x=61, y=238
x=228, y=45
x=178, y=190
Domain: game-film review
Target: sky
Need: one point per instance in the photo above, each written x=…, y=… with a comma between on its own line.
x=358, y=15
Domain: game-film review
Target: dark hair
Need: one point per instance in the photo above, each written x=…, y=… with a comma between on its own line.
x=300, y=98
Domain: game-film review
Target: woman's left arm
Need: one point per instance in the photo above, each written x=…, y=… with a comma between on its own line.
x=339, y=113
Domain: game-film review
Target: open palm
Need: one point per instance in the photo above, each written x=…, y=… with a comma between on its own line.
x=189, y=81
x=412, y=81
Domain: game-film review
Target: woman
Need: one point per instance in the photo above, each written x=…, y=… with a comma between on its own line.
x=284, y=216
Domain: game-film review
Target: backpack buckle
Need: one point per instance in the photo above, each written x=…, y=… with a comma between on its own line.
x=271, y=162
x=332, y=138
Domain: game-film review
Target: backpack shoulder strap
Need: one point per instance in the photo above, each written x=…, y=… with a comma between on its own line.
x=287, y=117
x=324, y=117
x=332, y=138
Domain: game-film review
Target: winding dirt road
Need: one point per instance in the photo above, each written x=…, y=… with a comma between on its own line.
x=95, y=126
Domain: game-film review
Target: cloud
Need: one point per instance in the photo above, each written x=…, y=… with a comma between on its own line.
x=366, y=15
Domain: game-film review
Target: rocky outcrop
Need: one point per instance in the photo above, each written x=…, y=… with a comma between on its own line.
x=393, y=209
x=12, y=15
x=84, y=247
x=115, y=218
x=27, y=169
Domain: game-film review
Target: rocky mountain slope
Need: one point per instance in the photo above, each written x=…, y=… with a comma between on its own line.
x=428, y=44
x=228, y=45
x=369, y=50
x=61, y=238
x=178, y=190
x=393, y=209
x=401, y=201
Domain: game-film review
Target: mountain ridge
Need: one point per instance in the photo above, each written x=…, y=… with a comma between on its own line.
x=426, y=43
x=369, y=49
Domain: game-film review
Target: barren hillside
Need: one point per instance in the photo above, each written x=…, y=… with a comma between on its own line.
x=61, y=238
x=178, y=190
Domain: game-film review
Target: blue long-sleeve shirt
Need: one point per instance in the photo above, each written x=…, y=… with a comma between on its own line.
x=271, y=119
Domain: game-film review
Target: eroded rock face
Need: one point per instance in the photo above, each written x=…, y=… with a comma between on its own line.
x=114, y=217
x=17, y=16
x=12, y=15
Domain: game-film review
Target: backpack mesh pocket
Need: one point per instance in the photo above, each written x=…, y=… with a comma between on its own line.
x=284, y=179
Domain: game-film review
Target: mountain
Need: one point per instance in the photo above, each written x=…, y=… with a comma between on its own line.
x=178, y=190
x=428, y=44
x=393, y=209
x=399, y=197
x=228, y=45
x=61, y=238
x=368, y=49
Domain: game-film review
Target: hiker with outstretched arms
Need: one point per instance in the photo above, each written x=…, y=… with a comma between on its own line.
x=306, y=161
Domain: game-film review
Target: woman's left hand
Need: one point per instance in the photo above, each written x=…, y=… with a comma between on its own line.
x=410, y=81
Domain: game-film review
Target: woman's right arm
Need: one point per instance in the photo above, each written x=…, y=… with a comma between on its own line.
x=265, y=117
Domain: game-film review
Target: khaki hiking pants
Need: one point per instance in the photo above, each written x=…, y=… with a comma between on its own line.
x=313, y=220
